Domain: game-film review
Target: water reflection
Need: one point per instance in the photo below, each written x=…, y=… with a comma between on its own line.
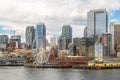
x=22, y=73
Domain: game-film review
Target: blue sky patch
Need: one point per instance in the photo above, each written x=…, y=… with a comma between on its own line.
x=116, y=16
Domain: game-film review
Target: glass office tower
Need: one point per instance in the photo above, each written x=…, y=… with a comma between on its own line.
x=97, y=21
x=40, y=35
x=67, y=32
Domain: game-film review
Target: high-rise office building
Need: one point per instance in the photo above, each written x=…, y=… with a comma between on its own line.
x=115, y=31
x=97, y=22
x=30, y=34
x=3, y=41
x=40, y=35
x=66, y=37
x=67, y=32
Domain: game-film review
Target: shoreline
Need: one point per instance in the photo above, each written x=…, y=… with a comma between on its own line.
x=11, y=64
x=72, y=67
x=64, y=66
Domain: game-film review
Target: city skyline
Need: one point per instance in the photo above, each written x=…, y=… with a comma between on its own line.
x=19, y=14
x=59, y=39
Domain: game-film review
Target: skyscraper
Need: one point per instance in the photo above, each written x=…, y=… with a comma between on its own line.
x=97, y=22
x=66, y=37
x=40, y=35
x=115, y=31
x=30, y=34
x=67, y=32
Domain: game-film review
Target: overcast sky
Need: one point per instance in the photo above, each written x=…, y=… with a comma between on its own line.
x=18, y=14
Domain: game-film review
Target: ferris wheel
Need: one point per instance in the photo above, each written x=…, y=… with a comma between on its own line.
x=42, y=57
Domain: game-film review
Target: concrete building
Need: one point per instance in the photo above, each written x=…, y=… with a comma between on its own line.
x=16, y=40
x=4, y=41
x=30, y=35
x=88, y=44
x=107, y=44
x=97, y=22
x=40, y=35
x=23, y=45
x=62, y=43
x=103, y=45
x=53, y=41
x=72, y=49
x=98, y=50
x=77, y=42
x=84, y=46
x=115, y=31
x=82, y=50
x=54, y=51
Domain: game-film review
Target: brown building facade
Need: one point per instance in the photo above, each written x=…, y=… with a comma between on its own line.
x=115, y=31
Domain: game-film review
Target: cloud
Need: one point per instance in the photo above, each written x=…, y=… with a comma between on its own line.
x=17, y=14
x=114, y=20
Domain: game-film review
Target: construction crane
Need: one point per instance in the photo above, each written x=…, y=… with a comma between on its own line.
x=14, y=32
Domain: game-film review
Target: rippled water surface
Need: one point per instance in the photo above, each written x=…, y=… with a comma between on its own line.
x=22, y=73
